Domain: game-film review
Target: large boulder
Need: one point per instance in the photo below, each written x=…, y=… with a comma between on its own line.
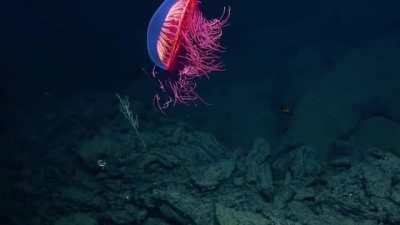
x=378, y=132
x=229, y=216
x=363, y=83
x=76, y=219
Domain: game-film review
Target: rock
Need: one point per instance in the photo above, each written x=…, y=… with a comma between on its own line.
x=182, y=207
x=365, y=190
x=238, y=181
x=76, y=219
x=305, y=163
x=386, y=161
x=386, y=210
x=345, y=193
x=78, y=196
x=260, y=151
x=264, y=182
x=395, y=196
x=107, y=150
x=258, y=169
x=283, y=197
x=377, y=183
x=345, y=148
x=257, y=155
x=155, y=221
x=320, y=118
x=157, y=162
x=302, y=162
x=90, y=151
x=228, y=216
x=378, y=132
x=304, y=193
x=210, y=176
x=386, y=69
x=336, y=105
x=302, y=213
x=341, y=163
x=127, y=215
x=189, y=147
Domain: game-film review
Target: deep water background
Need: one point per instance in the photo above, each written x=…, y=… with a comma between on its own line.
x=65, y=47
x=309, y=72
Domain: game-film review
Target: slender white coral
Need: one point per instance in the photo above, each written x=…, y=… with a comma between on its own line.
x=124, y=107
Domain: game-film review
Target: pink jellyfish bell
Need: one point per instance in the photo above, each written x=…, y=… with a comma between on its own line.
x=181, y=41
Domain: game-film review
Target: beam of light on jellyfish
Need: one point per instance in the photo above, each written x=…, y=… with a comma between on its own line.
x=185, y=46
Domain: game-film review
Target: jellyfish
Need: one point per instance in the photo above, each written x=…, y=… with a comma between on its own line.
x=184, y=46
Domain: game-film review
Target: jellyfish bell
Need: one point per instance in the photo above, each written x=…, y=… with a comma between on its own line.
x=185, y=44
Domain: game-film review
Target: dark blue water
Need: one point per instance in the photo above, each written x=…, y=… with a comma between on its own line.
x=302, y=127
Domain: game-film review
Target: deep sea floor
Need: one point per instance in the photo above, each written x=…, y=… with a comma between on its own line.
x=325, y=152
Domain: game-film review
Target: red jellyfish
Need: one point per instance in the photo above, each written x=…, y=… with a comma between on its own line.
x=185, y=44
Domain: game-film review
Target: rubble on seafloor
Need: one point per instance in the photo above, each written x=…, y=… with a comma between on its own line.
x=188, y=177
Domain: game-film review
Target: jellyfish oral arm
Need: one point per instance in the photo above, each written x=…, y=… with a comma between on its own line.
x=202, y=44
